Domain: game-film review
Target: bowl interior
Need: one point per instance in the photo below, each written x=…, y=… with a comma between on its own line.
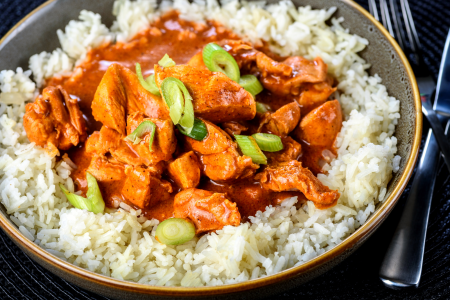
x=38, y=33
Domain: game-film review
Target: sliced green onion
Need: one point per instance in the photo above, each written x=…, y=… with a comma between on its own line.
x=145, y=127
x=179, y=101
x=175, y=231
x=251, y=84
x=217, y=59
x=198, y=132
x=249, y=147
x=261, y=107
x=166, y=61
x=268, y=142
x=94, y=201
x=149, y=84
x=94, y=195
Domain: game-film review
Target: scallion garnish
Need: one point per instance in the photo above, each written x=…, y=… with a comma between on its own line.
x=251, y=84
x=198, y=132
x=145, y=127
x=179, y=101
x=261, y=108
x=249, y=147
x=175, y=231
x=149, y=84
x=94, y=201
x=268, y=142
x=166, y=61
x=217, y=59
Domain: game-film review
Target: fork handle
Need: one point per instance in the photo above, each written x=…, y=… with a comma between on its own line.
x=402, y=264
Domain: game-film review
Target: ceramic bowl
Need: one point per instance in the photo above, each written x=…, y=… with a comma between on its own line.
x=37, y=32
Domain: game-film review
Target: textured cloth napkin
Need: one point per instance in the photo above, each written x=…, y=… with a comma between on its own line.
x=355, y=278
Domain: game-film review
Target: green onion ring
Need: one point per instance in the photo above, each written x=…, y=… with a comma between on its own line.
x=217, y=59
x=251, y=84
x=175, y=231
x=145, y=127
x=249, y=147
x=268, y=142
x=149, y=84
x=199, y=131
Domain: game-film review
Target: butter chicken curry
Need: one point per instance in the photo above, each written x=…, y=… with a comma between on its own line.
x=226, y=131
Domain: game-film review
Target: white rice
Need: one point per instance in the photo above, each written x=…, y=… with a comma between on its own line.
x=122, y=244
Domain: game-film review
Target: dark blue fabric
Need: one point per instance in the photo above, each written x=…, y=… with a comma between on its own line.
x=355, y=278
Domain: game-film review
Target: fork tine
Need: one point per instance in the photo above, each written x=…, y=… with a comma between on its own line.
x=386, y=18
x=373, y=9
x=397, y=23
x=411, y=23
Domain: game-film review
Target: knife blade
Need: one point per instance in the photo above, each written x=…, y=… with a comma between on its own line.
x=402, y=264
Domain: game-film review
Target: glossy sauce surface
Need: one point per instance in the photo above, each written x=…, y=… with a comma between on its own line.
x=180, y=40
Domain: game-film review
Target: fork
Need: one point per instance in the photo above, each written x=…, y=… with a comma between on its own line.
x=402, y=264
x=423, y=76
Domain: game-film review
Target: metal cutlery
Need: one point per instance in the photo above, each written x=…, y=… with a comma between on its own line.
x=402, y=265
x=423, y=76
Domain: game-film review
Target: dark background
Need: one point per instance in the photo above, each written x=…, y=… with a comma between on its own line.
x=355, y=278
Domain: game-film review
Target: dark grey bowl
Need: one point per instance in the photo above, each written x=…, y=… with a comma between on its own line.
x=37, y=32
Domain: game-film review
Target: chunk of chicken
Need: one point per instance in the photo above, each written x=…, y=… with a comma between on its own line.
x=51, y=124
x=313, y=95
x=209, y=211
x=106, y=170
x=283, y=78
x=110, y=141
x=197, y=61
x=290, y=176
x=216, y=97
x=164, y=142
x=248, y=195
x=143, y=189
x=282, y=121
x=233, y=128
x=185, y=170
x=291, y=151
x=219, y=157
x=120, y=93
x=321, y=125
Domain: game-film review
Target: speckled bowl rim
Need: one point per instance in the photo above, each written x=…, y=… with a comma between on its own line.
x=366, y=229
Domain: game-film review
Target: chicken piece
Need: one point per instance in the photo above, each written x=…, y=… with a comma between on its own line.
x=106, y=170
x=209, y=211
x=282, y=78
x=52, y=125
x=197, y=61
x=120, y=93
x=216, y=97
x=248, y=195
x=219, y=157
x=228, y=165
x=291, y=151
x=110, y=141
x=290, y=176
x=185, y=170
x=243, y=53
x=282, y=121
x=321, y=125
x=164, y=142
x=233, y=128
x=313, y=95
x=143, y=189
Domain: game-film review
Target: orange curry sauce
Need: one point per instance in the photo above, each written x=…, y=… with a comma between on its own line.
x=181, y=40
